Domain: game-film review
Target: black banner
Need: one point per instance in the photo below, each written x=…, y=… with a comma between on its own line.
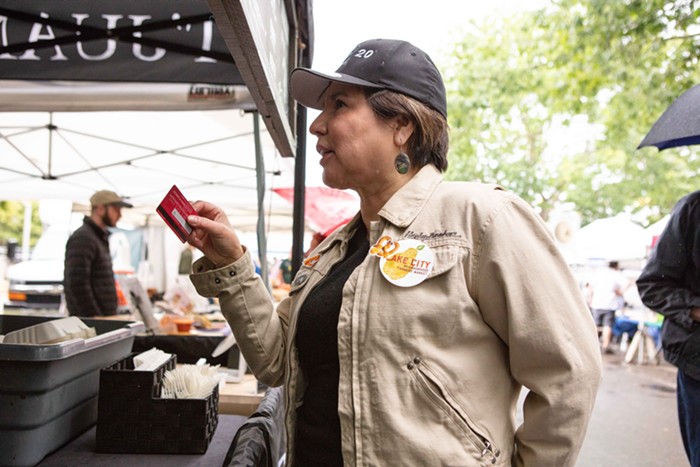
x=166, y=41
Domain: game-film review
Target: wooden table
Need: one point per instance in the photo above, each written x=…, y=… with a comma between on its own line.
x=240, y=398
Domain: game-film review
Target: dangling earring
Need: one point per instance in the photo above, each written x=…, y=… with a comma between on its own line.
x=402, y=163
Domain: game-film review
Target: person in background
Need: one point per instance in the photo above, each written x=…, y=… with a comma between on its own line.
x=88, y=279
x=409, y=332
x=184, y=266
x=283, y=274
x=281, y=278
x=608, y=288
x=670, y=285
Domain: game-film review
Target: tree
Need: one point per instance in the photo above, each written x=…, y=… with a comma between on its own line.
x=12, y=221
x=521, y=87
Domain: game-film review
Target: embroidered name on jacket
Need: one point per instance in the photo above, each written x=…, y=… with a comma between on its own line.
x=422, y=236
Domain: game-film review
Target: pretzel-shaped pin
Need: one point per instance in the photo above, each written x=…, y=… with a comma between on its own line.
x=384, y=247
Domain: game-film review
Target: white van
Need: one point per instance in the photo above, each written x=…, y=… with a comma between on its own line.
x=38, y=282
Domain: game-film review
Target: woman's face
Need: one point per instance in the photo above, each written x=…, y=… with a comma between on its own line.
x=357, y=148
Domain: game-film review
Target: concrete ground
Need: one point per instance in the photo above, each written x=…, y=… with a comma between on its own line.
x=634, y=421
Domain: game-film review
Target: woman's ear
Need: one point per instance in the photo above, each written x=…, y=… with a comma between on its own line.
x=403, y=129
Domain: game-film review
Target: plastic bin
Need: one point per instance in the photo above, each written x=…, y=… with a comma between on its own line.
x=48, y=393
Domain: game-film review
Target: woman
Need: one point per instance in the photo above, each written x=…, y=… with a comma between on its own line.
x=408, y=333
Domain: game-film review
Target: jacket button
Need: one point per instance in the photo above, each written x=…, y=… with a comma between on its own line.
x=417, y=360
x=217, y=280
x=300, y=279
x=232, y=273
x=410, y=366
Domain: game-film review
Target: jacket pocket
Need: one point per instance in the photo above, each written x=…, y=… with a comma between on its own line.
x=434, y=308
x=445, y=257
x=441, y=398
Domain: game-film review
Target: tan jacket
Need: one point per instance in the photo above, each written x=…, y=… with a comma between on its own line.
x=431, y=374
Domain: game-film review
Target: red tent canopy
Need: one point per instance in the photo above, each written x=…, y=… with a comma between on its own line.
x=325, y=209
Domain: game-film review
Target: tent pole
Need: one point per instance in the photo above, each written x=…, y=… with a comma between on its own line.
x=299, y=191
x=52, y=128
x=261, y=231
x=27, y=230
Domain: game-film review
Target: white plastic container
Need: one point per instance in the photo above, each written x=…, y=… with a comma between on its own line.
x=51, y=332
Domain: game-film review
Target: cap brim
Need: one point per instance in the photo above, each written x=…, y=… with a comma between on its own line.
x=123, y=204
x=308, y=86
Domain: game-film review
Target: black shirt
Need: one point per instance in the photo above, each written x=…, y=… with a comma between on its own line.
x=318, y=425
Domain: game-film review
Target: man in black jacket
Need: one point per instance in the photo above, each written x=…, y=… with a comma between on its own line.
x=670, y=285
x=88, y=279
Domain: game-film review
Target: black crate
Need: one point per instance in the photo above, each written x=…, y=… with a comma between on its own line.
x=133, y=418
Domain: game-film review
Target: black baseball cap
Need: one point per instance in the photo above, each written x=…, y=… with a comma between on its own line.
x=389, y=64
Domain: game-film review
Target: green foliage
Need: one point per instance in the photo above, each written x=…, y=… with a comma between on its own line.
x=12, y=222
x=519, y=88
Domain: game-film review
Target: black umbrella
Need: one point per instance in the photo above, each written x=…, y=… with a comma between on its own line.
x=679, y=125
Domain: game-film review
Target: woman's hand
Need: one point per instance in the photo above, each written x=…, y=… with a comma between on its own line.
x=213, y=235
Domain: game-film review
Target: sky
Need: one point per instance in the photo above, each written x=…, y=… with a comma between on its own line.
x=339, y=27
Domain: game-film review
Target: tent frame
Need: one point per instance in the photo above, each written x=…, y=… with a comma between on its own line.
x=232, y=20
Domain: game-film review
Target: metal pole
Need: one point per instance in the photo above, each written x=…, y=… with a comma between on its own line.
x=26, y=230
x=261, y=230
x=299, y=191
x=52, y=128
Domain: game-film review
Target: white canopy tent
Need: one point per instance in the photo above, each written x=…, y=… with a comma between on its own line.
x=152, y=56
x=656, y=229
x=209, y=154
x=613, y=238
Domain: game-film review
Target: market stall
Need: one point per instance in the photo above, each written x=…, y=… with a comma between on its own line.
x=77, y=56
x=119, y=56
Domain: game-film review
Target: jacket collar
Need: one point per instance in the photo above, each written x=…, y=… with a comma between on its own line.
x=102, y=233
x=404, y=206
